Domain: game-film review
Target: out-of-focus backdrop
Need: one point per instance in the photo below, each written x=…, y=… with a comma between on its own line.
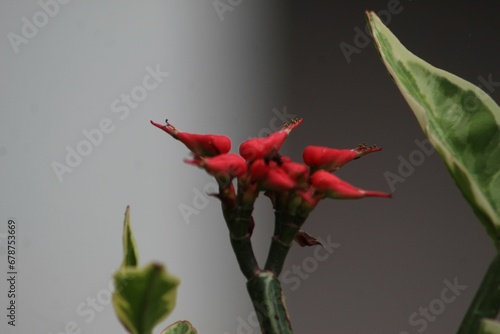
x=79, y=83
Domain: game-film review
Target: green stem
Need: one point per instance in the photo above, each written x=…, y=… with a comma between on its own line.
x=288, y=226
x=267, y=298
x=486, y=303
x=278, y=252
x=238, y=222
x=242, y=248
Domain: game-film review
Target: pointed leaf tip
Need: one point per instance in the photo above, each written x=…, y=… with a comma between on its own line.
x=130, y=254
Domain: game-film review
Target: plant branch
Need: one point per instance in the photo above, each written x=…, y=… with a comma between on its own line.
x=239, y=223
x=286, y=228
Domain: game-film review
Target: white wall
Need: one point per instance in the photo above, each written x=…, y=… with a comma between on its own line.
x=225, y=76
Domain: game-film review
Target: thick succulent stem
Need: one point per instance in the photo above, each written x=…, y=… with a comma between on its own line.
x=267, y=298
x=238, y=217
x=486, y=303
x=279, y=250
x=239, y=224
x=286, y=228
x=242, y=248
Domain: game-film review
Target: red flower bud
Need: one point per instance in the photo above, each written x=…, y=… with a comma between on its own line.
x=201, y=145
x=258, y=170
x=330, y=159
x=260, y=148
x=333, y=187
x=278, y=180
x=297, y=172
x=223, y=167
x=270, y=176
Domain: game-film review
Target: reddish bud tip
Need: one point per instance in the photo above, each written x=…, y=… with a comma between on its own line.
x=295, y=122
x=364, y=149
x=171, y=130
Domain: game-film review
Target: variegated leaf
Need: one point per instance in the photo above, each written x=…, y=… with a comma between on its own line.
x=460, y=120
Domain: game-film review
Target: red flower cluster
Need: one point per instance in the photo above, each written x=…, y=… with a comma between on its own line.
x=259, y=167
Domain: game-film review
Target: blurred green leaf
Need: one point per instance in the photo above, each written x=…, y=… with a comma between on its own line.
x=143, y=296
x=130, y=255
x=180, y=327
x=460, y=120
x=489, y=326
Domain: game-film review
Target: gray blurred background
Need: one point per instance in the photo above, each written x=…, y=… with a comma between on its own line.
x=237, y=68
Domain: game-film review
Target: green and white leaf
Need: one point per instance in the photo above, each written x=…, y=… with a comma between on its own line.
x=460, y=120
x=489, y=326
x=143, y=297
x=180, y=327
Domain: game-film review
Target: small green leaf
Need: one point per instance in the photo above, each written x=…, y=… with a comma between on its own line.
x=460, y=120
x=143, y=297
x=180, y=327
x=489, y=326
x=130, y=256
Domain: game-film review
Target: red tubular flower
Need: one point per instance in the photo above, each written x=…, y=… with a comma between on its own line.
x=223, y=167
x=260, y=148
x=201, y=145
x=297, y=172
x=330, y=159
x=333, y=187
x=269, y=176
x=278, y=180
x=258, y=170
